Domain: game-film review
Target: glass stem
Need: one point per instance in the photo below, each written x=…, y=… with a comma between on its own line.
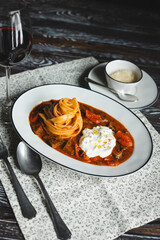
x=8, y=72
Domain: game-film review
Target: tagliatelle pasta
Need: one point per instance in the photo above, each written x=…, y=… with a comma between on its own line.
x=63, y=124
x=67, y=120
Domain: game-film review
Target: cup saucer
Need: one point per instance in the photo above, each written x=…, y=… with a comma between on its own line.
x=147, y=91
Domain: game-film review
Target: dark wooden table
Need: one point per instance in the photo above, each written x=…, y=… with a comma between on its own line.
x=66, y=30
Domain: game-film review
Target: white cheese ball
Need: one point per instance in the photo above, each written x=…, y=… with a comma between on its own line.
x=98, y=141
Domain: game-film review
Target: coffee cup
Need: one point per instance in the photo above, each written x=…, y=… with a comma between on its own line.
x=123, y=76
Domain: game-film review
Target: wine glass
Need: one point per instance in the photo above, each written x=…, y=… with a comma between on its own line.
x=15, y=44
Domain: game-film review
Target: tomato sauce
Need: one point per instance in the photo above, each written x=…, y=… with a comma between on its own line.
x=91, y=117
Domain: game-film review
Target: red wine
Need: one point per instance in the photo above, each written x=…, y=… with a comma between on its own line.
x=14, y=46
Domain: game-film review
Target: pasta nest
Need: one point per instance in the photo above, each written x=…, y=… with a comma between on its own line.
x=67, y=120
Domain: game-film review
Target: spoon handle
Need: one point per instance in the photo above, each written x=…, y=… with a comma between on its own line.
x=61, y=229
x=27, y=209
x=88, y=80
x=125, y=97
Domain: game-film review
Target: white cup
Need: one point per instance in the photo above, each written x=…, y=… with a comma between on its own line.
x=120, y=85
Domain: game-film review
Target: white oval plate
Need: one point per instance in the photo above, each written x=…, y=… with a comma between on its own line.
x=31, y=98
x=147, y=91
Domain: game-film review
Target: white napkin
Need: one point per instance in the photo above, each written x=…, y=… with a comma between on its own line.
x=92, y=207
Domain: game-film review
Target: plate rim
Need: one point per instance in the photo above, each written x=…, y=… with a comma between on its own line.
x=134, y=108
x=83, y=172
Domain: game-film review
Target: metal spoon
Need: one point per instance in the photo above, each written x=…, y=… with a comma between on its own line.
x=122, y=96
x=31, y=164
